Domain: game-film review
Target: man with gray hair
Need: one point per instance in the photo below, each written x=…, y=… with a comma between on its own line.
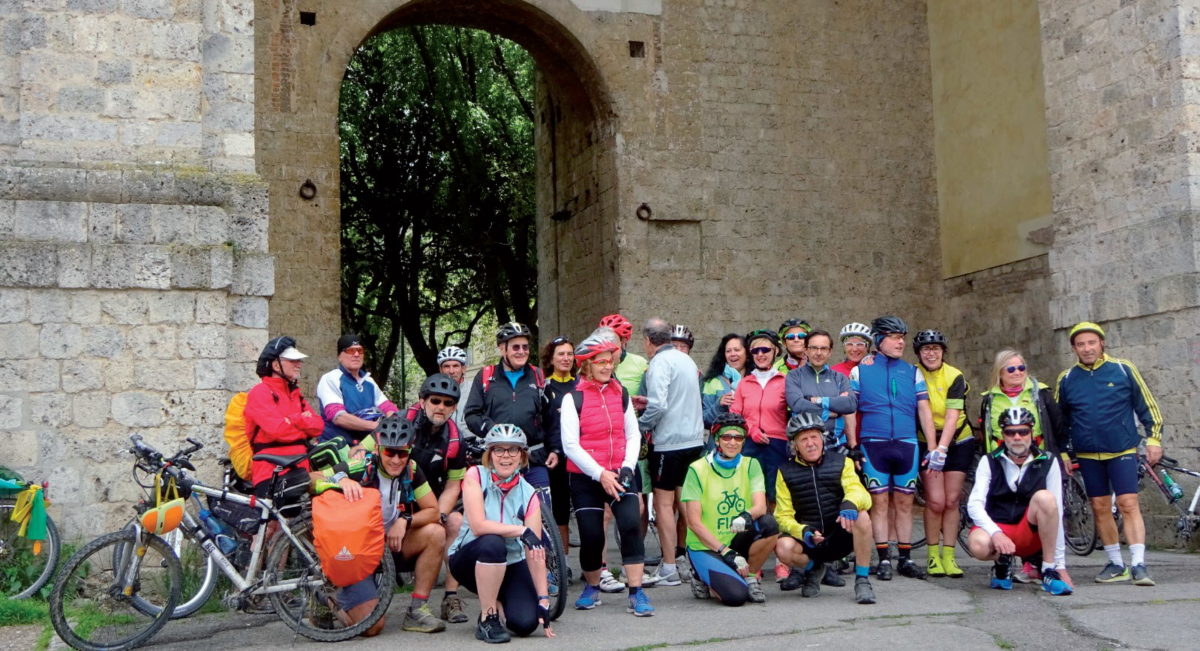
x=674, y=416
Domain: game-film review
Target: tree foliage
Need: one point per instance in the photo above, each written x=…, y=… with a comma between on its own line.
x=437, y=192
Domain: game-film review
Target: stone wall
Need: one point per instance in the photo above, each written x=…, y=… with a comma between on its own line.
x=1123, y=136
x=134, y=271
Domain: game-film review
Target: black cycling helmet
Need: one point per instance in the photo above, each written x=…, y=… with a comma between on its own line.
x=795, y=323
x=512, y=330
x=440, y=384
x=683, y=333
x=763, y=333
x=394, y=432
x=886, y=325
x=271, y=352
x=729, y=419
x=928, y=337
x=1016, y=416
x=804, y=421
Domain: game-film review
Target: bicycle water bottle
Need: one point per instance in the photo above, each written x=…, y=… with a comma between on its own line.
x=219, y=531
x=1174, y=489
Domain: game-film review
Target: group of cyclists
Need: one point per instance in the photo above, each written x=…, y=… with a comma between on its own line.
x=770, y=452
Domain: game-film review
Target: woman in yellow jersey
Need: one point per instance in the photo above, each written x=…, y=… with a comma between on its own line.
x=947, y=459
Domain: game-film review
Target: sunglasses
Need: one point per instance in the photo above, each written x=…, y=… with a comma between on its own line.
x=396, y=452
x=761, y=350
x=505, y=451
x=1014, y=369
x=795, y=335
x=518, y=346
x=607, y=362
x=732, y=437
x=449, y=402
x=558, y=341
x=1018, y=432
x=355, y=350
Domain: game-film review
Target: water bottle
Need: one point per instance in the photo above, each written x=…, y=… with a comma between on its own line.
x=219, y=531
x=1174, y=489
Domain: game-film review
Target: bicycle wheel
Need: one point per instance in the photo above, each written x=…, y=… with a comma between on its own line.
x=556, y=562
x=1079, y=521
x=964, y=517
x=89, y=607
x=199, y=576
x=25, y=565
x=311, y=609
x=918, y=528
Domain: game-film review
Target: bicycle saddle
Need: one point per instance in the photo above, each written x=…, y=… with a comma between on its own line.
x=281, y=460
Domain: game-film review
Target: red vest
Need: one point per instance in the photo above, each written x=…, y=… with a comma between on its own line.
x=601, y=423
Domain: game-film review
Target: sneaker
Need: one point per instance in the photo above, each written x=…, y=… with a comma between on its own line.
x=658, y=579
x=609, y=583
x=1140, y=575
x=490, y=630
x=639, y=604
x=1053, y=583
x=1027, y=574
x=883, y=571
x=756, y=592
x=1113, y=573
x=781, y=572
x=452, y=610
x=1002, y=574
x=933, y=566
x=699, y=589
x=589, y=599
x=794, y=580
x=949, y=565
x=551, y=584
x=832, y=578
x=812, y=581
x=910, y=569
x=422, y=620
x=863, y=592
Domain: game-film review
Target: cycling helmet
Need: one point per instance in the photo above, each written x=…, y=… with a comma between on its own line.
x=762, y=333
x=502, y=433
x=795, y=323
x=618, y=324
x=855, y=329
x=802, y=422
x=598, y=342
x=440, y=384
x=682, y=333
x=1015, y=416
x=927, y=337
x=452, y=354
x=395, y=432
x=1085, y=326
x=510, y=331
x=278, y=347
x=729, y=419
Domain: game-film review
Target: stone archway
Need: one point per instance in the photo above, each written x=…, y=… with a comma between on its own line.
x=302, y=58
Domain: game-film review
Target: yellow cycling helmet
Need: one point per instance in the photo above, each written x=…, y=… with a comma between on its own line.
x=167, y=512
x=1084, y=326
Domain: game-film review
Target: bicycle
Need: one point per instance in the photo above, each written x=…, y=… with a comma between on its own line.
x=29, y=542
x=1189, y=516
x=120, y=589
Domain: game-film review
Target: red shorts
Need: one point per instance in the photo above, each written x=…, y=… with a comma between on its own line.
x=1023, y=536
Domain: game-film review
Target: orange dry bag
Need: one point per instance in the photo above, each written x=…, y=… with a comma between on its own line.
x=348, y=535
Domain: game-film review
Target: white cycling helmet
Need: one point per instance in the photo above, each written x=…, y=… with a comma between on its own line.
x=855, y=329
x=452, y=354
x=506, y=433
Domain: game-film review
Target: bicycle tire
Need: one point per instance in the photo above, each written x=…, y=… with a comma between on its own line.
x=190, y=600
x=556, y=560
x=12, y=546
x=964, y=516
x=77, y=625
x=651, y=535
x=1079, y=521
x=918, y=530
x=316, y=601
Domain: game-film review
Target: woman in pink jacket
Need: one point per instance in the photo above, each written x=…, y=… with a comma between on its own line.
x=761, y=398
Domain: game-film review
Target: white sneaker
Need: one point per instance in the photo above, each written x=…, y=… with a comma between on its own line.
x=659, y=579
x=609, y=583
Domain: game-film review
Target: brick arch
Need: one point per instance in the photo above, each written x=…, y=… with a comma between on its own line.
x=300, y=69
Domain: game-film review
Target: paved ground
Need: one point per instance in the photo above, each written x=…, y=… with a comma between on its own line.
x=935, y=614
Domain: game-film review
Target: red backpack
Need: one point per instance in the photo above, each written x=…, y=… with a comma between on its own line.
x=489, y=372
x=348, y=535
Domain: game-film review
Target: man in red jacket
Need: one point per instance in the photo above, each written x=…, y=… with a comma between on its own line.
x=278, y=418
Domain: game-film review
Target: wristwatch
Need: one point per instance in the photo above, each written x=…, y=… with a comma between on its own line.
x=337, y=477
x=407, y=516
x=443, y=517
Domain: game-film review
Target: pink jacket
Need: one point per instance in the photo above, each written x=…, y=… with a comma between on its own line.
x=765, y=409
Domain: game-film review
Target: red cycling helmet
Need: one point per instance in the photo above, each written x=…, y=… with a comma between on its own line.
x=594, y=345
x=619, y=325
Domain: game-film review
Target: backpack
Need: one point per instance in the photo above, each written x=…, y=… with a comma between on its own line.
x=489, y=372
x=348, y=535
x=240, y=452
x=453, y=435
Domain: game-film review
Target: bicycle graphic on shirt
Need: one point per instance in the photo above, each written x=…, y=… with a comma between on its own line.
x=730, y=502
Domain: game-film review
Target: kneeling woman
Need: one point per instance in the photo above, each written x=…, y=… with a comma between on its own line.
x=498, y=553
x=725, y=499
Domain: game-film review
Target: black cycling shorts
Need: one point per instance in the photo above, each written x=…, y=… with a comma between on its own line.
x=961, y=456
x=668, y=469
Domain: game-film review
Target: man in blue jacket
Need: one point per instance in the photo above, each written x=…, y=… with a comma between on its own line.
x=1100, y=397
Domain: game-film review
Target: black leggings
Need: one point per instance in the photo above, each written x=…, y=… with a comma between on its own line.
x=517, y=593
x=589, y=500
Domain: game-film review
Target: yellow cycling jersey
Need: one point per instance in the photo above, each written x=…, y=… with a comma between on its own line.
x=947, y=390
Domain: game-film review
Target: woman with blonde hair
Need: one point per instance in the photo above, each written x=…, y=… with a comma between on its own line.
x=1011, y=385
